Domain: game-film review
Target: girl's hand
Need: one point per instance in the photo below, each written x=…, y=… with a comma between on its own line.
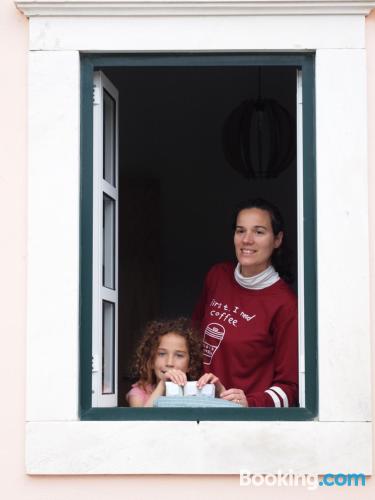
x=210, y=378
x=236, y=396
x=176, y=376
x=156, y=393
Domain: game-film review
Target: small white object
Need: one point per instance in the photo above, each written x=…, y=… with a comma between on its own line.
x=208, y=390
x=172, y=389
x=191, y=389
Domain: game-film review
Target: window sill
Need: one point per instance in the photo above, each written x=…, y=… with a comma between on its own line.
x=146, y=447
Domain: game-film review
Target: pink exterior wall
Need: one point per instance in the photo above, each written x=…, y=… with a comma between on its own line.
x=14, y=483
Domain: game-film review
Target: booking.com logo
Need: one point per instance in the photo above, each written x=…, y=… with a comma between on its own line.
x=310, y=481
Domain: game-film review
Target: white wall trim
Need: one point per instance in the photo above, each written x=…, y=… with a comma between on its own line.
x=33, y=8
x=57, y=442
x=225, y=33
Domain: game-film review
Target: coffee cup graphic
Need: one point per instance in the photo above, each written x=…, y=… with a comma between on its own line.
x=213, y=335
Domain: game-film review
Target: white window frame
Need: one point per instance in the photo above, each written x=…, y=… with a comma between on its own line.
x=57, y=442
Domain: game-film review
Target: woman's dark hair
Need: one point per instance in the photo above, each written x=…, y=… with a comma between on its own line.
x=143, y=365
x=281, y=258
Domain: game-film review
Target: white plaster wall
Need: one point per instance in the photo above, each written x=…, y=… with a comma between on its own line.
x=15, y=484
x=52, y=323
x=61, y=177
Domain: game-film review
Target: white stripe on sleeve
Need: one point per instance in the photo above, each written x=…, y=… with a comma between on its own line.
x=282, y=394
x=275, y=399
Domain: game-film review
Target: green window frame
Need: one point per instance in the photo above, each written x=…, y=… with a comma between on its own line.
x=303, y=61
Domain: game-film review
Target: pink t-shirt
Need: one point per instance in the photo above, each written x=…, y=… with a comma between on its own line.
x=138, y=391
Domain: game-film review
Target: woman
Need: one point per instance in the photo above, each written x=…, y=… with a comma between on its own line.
x=248, y=315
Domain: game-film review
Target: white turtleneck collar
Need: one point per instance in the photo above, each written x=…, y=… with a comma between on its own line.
x=262, y=280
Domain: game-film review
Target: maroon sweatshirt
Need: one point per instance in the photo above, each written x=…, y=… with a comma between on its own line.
x=250, y=337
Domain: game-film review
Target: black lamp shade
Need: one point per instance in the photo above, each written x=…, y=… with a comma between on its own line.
x=259, y=138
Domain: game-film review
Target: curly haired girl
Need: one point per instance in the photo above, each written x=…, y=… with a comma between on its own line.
x=169, y=350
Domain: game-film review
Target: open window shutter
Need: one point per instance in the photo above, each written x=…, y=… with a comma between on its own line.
x=301, y=312
x=105, y=243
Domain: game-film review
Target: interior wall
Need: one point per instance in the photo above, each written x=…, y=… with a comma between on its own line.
x=171, y=123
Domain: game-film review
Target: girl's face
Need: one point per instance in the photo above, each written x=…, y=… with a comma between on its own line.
x=254, y=241
x=172, y=352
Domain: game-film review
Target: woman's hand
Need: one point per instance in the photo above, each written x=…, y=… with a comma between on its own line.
x=210, y=378
x=176, y=376
x=236, y=396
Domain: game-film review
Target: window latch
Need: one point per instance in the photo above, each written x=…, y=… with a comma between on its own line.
x=95, y=95
x=95, y=363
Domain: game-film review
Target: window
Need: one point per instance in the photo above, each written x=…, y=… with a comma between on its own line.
x=57, y=441
x=178, y=76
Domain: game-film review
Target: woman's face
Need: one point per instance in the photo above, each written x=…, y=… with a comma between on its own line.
x=254, y=241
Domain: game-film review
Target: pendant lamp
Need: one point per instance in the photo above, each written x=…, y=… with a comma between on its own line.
x=259, y=137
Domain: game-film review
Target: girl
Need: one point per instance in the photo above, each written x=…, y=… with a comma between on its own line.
x=169, y=350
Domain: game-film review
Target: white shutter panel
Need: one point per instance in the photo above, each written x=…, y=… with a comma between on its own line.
x=105, y=243
x=301, y=311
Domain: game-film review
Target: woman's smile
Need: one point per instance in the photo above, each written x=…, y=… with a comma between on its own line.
x=247, y=251
x=254, y=240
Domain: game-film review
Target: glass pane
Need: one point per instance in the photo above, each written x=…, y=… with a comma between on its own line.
x=109, y=227
x=109, y=139
x=108, y=348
